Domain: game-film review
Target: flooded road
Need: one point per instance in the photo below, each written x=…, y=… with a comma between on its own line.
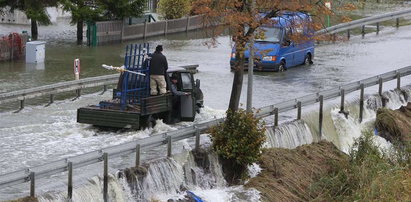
x=334, y=64
x=38, y=134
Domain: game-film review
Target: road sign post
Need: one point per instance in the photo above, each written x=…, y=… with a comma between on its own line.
x=328, y=5
x=77, y=69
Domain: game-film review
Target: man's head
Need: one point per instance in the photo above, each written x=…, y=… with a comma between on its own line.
x=174, y=80
x=159, y=48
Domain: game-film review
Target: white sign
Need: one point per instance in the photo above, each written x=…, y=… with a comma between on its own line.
x=328, y=5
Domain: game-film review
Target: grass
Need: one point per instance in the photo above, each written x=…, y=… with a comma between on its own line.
x=368, y=176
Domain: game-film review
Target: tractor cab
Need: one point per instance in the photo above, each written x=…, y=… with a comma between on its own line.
x=186, y=105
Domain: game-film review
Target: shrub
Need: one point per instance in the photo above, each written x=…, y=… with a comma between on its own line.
x=174, y=9
x=238, y=141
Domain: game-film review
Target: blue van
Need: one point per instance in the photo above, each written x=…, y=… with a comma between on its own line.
x=277, y=52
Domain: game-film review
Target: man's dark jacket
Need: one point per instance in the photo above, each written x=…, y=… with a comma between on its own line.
x=158, y=64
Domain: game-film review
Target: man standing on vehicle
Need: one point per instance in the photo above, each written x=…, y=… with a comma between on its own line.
x=158, y=69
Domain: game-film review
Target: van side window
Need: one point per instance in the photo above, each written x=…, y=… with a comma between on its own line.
x=287, y=37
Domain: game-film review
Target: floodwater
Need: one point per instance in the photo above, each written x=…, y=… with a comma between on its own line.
x=39, y=134
x=334, y=64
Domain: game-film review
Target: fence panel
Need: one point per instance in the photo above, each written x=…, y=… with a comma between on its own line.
x=13, y=46
x=196, y=22
x=109, y=31
x=133, y=32
x=178, y=25
x=156, y=28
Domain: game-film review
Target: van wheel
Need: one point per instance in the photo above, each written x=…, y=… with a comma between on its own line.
x=281, y=68
x=308, y=60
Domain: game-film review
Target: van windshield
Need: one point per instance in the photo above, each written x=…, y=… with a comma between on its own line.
x=271, y=34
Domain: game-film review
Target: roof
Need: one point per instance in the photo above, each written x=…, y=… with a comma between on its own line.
x=287, y=17
x=176, y=69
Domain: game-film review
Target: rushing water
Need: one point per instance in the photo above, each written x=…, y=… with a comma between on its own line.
x=169, y=178
x=40, y=134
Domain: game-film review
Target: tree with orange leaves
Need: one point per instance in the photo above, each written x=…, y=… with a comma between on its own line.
x=243, y=21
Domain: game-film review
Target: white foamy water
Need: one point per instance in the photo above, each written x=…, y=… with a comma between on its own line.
x=288, y=135
x=349, y=129
x=41, y=134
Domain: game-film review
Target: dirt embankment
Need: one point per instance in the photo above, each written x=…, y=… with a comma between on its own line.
x=395, y=125
x=25, y=199
x=287, y=174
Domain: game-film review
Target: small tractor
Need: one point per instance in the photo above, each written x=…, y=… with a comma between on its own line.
x=132, y=105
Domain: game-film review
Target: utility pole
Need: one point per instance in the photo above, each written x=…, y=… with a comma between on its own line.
x=250, y=67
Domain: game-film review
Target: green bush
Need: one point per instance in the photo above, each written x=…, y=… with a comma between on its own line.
x=369, y=176
x=174, y=9
x=239, y=138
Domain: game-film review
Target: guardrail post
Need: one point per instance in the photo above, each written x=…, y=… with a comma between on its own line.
x=320, y=124
x=138, y=152
x=104, y=89
x=21, y=104
x=78, y=93
x=70, y=181
x=363, y=31
x=397, y=22
x=275, y=117
x=361, y=101
x=398, y=81
x=378, y=28
x=51, y=98
x=197, y=146
x=380, y=86
x=169, y=146
x=105, y=180
x=145, y=30
x=298, y=110
x=32, y=184
x=188, y=23
x=348, y=34
x=342, y=93
x=165, y=27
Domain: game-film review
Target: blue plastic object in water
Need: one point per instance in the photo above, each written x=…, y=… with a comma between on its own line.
x=194, y=197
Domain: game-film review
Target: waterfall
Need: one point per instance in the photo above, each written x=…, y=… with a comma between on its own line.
x=92, y=191
x=288, y=135
x=170, y=177
x=342, y=129
x=339, y=128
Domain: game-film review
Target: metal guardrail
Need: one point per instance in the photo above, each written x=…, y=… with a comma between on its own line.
x=59, y=166
x=66, y=86
x=364, y=21
x=336, y=92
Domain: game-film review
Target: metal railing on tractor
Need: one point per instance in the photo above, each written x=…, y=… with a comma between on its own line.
x=135, y=86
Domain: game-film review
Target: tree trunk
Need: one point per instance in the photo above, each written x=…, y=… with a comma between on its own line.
x=80, y=32
x=34, y=30
x=237, y=81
